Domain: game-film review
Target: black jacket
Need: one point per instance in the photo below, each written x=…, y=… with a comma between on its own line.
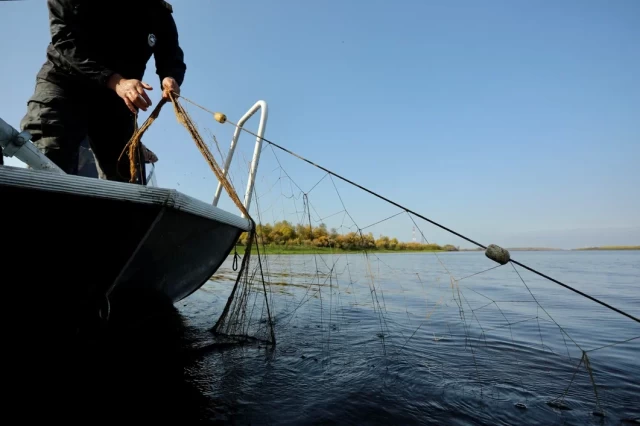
x=93, y=39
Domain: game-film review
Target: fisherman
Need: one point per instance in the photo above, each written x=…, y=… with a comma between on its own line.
x=90, y=87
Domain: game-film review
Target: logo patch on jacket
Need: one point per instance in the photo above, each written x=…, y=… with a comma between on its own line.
x=152, y=40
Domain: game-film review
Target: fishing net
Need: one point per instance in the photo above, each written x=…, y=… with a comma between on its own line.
x=236, y=321
x=343, y=277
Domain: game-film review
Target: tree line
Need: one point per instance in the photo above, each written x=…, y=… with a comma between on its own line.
x=285, y=234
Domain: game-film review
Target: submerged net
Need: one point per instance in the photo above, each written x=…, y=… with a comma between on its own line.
x=327, y=277
x=235, y=320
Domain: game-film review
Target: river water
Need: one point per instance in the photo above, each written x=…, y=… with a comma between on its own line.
x=393, y=340
x=384, y=339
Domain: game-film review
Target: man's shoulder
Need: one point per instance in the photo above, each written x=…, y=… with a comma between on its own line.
x=167, y=5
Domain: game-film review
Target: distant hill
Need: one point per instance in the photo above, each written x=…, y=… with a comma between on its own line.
x=610, y=248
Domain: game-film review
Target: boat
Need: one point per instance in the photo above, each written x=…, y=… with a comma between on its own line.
x=84, y=245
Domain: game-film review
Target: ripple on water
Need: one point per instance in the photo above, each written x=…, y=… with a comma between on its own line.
x=418, y=351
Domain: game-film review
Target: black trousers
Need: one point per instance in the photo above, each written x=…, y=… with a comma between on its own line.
x=60, y=117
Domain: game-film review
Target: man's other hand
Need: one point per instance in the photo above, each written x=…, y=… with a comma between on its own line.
x=131, y=91
x=169, y=84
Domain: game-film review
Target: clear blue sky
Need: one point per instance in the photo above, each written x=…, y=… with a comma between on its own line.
x=501, y=119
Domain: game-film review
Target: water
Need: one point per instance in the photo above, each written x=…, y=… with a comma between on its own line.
x=391, y=340
x=395, y=342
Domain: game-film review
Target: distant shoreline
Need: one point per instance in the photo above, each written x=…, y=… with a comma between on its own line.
x=608, y=248
x=286, y=250
x=520, y=249
x=602, y=248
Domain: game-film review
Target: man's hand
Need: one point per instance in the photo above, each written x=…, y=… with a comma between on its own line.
x=131, y=91
x=169, y=85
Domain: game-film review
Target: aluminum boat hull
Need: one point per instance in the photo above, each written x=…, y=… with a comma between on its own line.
x=72, y=241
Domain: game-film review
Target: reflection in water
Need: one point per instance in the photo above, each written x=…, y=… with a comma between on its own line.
x=130, y=373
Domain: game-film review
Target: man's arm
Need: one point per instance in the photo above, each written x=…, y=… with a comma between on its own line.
x=67, y=38
x=168, y=55
x=71, y=43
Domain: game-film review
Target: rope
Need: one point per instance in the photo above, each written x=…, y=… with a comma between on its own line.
x=613, y=308
x=133, y=146
x=478, y=273
x=235, y=259
x=225, y=120
x=184, y=118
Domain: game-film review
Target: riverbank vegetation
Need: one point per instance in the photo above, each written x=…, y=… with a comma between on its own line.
x=284, y=238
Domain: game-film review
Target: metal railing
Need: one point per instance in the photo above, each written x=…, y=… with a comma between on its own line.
x=151, y=178
x=262, y=106
x=19, y=145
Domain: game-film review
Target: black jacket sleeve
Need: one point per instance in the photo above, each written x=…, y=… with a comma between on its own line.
x=69, y=44
x=168, y=55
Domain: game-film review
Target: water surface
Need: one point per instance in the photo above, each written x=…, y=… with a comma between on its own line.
x=407, y=339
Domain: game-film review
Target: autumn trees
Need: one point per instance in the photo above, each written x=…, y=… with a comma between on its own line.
x=286, y=234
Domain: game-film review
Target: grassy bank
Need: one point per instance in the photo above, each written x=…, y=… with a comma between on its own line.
x=611, y=248
x=272, y=249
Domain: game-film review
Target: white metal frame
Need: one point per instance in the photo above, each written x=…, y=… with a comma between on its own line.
x=16, y=144
x=262, y=106
x=19, y=145
x=151, y=178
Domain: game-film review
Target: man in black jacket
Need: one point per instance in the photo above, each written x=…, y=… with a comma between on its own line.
x=90, y=85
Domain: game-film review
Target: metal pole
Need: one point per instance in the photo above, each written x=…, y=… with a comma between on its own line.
x=16, y=144
x=227, y=163
x=256, y=152
x=262, y=106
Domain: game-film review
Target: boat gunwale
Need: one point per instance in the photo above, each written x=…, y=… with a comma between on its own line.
x=117, y=191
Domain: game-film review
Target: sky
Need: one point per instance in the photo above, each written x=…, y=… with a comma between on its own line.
x=512, y=122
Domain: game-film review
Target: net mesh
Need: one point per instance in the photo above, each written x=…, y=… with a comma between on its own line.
x=322, y=255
